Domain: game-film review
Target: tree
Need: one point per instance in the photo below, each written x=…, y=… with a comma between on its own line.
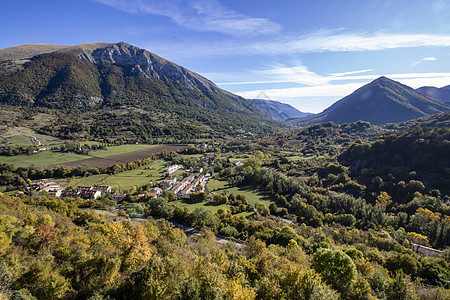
x=383, y=200
x=262, y=209
x=400, y=288
x=336, y=267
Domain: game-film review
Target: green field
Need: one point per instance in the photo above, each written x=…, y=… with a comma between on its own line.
x=113, y=150
x=45, y=158
x=124, y=180
x=206, y=205
x=42, y=159
x=212, y=207
x=254, y=195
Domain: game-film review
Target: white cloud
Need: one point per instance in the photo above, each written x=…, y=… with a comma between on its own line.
x=200, y=15
x=350, y=73
x=323, y=41
x=298, y=74
x=431, y=58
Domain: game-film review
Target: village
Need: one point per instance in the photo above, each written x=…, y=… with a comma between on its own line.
x=195, y=181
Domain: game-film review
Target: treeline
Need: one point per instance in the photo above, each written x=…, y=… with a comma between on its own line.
x=78, y=148
x=12, y=151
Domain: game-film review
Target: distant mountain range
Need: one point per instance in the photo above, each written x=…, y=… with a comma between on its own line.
x=122, y=91
x=379, y=102
x=277, y=110
x=442, y=94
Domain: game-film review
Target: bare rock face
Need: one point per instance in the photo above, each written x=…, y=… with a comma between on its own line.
x=146, y=64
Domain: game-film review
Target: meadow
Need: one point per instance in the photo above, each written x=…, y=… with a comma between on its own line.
x=124, y=180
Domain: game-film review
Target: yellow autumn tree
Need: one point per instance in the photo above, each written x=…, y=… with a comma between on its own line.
x=383, y=200
x=237, y=291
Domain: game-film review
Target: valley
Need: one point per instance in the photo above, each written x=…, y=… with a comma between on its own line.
x=105, y=146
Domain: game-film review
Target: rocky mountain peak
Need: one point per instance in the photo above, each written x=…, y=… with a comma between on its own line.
x=146, y=64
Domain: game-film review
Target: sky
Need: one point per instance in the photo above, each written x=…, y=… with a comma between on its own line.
x=305, y=53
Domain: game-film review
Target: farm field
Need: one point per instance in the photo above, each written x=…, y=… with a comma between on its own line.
x=42, y=159
x=126, y=156
x=115, y=150
x=98, y=158
x=124, y=180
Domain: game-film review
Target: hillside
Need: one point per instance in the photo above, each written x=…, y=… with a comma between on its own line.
x=277, y=110
x=120, y=91
x=436, y=120
x=420, y=156
x=379, y=102
x=442, y=93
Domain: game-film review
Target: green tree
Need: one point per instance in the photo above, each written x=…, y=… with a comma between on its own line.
x=336, y=267
x=400, y=288
x=262, y=209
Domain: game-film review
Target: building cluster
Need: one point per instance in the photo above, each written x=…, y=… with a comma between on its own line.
x=87, y=192
x=171, y=169
x=188, y=185
x=155, y=192
x=51, y=187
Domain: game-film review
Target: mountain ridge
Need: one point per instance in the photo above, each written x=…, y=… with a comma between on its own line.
x=442, y=93
x=378, y=102
x=104, y=77
x=278, y=111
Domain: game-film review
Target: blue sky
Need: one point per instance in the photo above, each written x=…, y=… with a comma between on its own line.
x=305, y=53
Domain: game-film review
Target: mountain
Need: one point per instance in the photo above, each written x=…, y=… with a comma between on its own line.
x=121, y=91
x=379, y=102
x=442, y=94
x=277, y=110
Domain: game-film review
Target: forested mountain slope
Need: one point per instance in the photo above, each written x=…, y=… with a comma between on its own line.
x=119, y=90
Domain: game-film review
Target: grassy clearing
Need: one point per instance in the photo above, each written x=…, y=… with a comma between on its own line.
x=215, y=184
x=20, y=140
x=124, y=180
x=254, y=195
x=22, y=136
x=213, y=208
